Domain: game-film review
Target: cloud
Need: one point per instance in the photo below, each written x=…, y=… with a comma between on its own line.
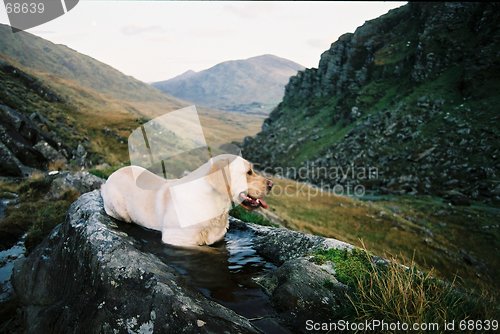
x=250, y=10
x=318, y=43
x=131, y=30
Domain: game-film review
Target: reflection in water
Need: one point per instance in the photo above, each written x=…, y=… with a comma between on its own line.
x=8, y=259
x=223, y=272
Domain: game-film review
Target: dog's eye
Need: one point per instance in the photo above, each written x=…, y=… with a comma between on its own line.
x=250, y=172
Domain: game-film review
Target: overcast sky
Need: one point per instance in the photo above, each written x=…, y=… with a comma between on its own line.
x=156, y=40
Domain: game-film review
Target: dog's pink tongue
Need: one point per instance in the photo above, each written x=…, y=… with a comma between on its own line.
x=263, y=204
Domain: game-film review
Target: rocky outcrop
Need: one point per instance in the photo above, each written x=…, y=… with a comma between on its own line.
x=30, y=137
x=18, y=135
x=301, y=290
x=24, y=146
x=88, y=276
x=397, y=96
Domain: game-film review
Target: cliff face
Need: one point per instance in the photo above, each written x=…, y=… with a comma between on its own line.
x=410, y=96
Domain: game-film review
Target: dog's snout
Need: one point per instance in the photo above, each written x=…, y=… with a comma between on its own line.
x=269, y=184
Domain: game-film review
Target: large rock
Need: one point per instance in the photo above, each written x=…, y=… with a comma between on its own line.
x=301, y=290
x=280, y=244
x=88, y=278
x=19, y=134
x=9, y=164
x=50, y=153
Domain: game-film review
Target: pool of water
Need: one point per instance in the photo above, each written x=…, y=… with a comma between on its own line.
x=5, y=202
x=8, y=257
x=223, y=272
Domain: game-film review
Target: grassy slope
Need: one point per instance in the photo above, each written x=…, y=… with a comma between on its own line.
x=60, y=61
x=426, y=228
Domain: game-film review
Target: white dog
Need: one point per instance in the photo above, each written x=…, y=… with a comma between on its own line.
x=189, y=211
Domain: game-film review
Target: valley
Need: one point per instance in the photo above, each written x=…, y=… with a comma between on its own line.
x=401, y=115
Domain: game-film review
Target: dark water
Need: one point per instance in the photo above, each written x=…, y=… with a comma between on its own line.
x=223, y=272
x=8, y=257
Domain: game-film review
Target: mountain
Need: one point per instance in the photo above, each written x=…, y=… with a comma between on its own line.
x=253, y=85
x=408, y=103
x=58, y=60
x=62, y=108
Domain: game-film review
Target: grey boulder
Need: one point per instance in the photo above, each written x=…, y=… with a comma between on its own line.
x=89, y=278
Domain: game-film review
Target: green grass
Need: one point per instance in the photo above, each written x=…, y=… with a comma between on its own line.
x=35, y=214
x=402, y=294
x=250, y=216
x=405, y=294
x=41, y=217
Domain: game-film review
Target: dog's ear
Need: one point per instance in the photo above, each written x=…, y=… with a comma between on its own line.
x=219, y=177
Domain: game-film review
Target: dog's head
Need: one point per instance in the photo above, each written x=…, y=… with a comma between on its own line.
x=235, y=176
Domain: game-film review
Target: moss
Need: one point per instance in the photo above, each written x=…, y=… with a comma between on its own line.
x=349, y=265
x=249, y=216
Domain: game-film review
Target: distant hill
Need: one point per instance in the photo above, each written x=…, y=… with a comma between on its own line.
x=253, y=85
x=413, y=94
x=58, y=104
